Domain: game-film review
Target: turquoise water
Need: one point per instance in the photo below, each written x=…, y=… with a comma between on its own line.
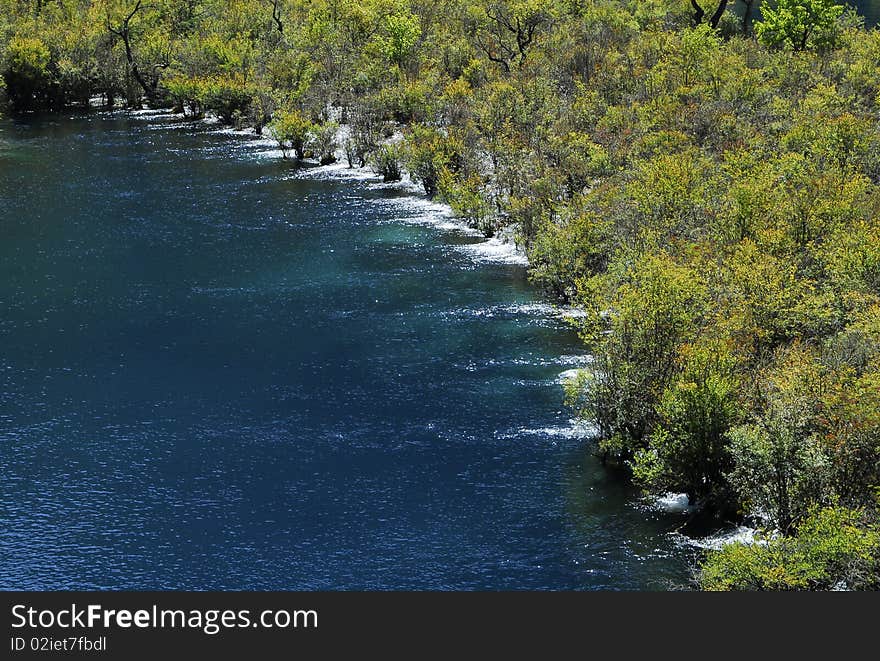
x=221, y=372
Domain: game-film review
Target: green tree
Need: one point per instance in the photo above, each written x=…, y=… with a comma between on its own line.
x=834, y=548
x=292, y=131
x=325, y=142
x=386, y=162
x=430, y=152
x=506, y=31
x=637, y=332
x=29, y=82
x=800, y=24
x=688, y=452
x=402, y=35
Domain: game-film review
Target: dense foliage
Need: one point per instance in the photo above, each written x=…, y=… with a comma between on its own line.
x=703, y=183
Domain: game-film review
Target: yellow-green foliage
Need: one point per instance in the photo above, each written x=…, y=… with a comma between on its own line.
x=292, y=130
x=26, y=72
x=835, y=548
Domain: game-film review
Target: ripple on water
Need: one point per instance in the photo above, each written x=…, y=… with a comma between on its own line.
x=239, y=374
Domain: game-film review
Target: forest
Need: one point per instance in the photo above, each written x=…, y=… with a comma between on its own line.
x=701, y=178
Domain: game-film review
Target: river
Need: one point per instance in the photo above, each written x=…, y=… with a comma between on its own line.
x=222, y=372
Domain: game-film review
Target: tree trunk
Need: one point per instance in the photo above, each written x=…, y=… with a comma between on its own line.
x=276, y=16
x=804, y=40
x=716, y=17
x=698, y=12
x=747, y=17
x=124, y=33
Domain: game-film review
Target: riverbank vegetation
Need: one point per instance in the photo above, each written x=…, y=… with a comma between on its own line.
x=701, y=180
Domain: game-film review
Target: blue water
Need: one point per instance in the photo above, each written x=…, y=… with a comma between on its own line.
x=220, y=372
x=869, y=9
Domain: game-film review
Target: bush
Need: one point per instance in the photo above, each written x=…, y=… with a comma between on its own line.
x=689, y=451
x=292, y=131
x=637, y=332
x=386, y=162
x=468, y=200
x=428, y=153
x=324, y=142
x=800, y=24
x=228, y=96
x=29, y=81
x=835, y=548
x=186, y=93
x=572, y=248
x=407, y=102
x=366, y=133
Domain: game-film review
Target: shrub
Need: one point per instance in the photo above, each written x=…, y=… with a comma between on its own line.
x=292, y=131
x=386, y=162
x=834, y=548
x=325, y=143
x=29, y=82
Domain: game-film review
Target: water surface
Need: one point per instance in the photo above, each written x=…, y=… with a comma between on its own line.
x=220, y=372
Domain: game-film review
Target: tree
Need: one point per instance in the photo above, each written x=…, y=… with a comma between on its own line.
x=229, y=96
x=325, y=142
x=800, y=24
x=778, y=472
x=26, y=74
x=850, y=436
x=149, y=82
x=636, y=332
x=747, y=17
x=714, y=19
x=402, y=32
x=505, y=31
x=688, y=452
x=428, y=153
x=292, y=131
x=386, y=162
x=572, y=247
x=276, y=15
x=780, y=467
x=834, y=549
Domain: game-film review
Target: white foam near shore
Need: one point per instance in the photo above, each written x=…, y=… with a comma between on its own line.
x=568, y=376
x=253, y=137
x=673, y=503
x=145, y=114
x=530, y=309
x=538, y=310
x=572, y=313
x=500, y=249
x=151, y=112
x=738, y=535
x=341, y=170
x=544, y=361
x=576, y=359
x=496, y=251
x=541, y=310
x=414, y=210
x=581, y=360
x=575, y=429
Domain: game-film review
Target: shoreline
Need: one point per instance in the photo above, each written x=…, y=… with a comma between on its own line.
x=500, y=249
